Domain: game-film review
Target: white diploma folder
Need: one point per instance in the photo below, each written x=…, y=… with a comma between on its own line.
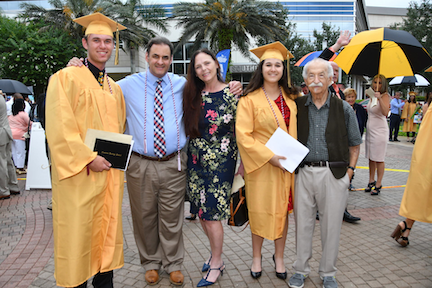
x=283, y=144
x=371, y=94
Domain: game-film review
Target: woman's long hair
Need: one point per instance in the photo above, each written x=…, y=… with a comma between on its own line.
x=257, y=81
x=409, y=98
x=192, y=99
x=17, y=106
x=428, y=99
x=384, y=83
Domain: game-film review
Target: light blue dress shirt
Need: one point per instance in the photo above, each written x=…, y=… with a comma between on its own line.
x=396, y=105
x=133, y=88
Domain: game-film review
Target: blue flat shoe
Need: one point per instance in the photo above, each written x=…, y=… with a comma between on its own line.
x=206, y=265
x=203, y=282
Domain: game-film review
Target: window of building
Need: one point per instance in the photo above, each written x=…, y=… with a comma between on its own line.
x=181, y=58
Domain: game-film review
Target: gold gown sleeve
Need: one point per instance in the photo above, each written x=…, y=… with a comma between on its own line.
x=65, y=140
x=253, y=152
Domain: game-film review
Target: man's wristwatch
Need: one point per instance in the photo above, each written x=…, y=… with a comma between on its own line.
x=352, y=168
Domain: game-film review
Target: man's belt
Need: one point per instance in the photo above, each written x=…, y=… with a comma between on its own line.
x=395, y=114
x=165, y=158
x=335, y=164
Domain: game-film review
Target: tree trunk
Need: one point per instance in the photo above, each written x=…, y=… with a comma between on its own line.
x=225, y=36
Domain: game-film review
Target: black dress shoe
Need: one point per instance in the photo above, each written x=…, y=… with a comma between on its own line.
x=256, y=275
x=191, y=217
x=396, y=140
x=350, y=218
x=370, y=186
x=283, y=275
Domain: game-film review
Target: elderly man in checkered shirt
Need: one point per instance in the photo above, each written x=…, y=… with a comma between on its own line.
x=328, y=126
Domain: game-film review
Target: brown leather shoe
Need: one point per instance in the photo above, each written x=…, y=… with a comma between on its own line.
x=152, y=277
x=176, y=278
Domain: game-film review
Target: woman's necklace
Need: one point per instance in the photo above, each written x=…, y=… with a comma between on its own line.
x=271, y=106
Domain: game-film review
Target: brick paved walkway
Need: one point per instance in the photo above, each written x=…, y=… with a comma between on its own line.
x=368, y=257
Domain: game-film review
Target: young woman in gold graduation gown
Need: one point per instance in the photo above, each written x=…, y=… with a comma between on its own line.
x=268, y=104
x=407, y=116
x=416, y=202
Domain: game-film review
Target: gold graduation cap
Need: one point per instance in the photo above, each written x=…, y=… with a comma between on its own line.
x=275, y=50
x=98, y=23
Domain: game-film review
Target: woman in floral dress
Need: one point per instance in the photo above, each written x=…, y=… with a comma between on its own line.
x=209, y=116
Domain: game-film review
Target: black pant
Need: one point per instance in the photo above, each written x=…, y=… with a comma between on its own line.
x=394, y=125
x=101, y=280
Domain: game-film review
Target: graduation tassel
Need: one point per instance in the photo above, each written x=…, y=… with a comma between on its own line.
x=288, y=72
x=178, y=162
x=116, y=59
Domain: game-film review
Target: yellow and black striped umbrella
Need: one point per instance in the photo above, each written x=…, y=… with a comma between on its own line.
x=383, y=51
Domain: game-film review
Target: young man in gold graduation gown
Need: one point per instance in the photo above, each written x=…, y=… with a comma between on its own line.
x=87, y=194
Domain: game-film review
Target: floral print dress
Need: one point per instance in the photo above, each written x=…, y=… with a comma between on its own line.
x=212, y=157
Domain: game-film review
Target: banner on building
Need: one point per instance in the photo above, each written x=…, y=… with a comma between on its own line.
x=223, y=58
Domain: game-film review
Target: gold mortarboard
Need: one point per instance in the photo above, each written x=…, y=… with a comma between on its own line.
x=274, y=50
x=98, y=23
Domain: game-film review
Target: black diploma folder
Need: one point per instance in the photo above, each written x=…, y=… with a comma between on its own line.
x=114, y=152
x=116, y=148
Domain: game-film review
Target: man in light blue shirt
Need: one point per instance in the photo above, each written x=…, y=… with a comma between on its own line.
x=396, y=106
x=156, y=185
x=156, y=176
x=140, y=114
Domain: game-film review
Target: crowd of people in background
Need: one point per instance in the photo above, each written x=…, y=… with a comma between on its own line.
x=21, y=113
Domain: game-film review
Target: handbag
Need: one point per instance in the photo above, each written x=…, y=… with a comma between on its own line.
x=238, y=209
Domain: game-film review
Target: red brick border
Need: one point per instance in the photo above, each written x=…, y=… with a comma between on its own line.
x=33, y=251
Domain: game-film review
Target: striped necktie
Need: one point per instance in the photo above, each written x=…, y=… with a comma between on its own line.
x=159, y=130
x=101, y=79
x=399, y=109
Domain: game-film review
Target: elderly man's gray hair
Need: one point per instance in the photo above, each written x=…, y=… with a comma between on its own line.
x=317, y=61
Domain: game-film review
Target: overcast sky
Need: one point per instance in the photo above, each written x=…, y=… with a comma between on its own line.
x=390, y=3
x=380, y=3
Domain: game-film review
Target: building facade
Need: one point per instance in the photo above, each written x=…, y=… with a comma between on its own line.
x=385, y=16
x=308, y=15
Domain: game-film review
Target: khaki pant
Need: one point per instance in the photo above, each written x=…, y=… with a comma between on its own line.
x=317, y=189
x=8, y=179
x=156, y=193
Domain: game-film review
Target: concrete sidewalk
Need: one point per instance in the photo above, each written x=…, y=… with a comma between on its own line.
x=368, y=257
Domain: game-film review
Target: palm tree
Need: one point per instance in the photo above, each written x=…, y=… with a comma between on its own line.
x=136, y=17
x=62, y=14
x=133, y=14
x=230, y=22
